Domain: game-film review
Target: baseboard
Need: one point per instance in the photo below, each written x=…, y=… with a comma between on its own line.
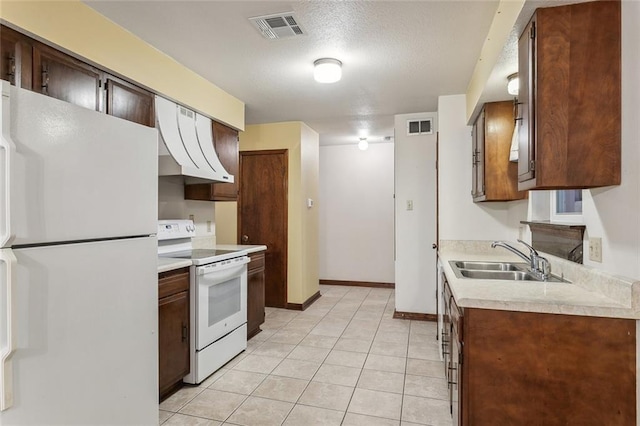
x=415, y=316
x=305, y=305
x=358, y=283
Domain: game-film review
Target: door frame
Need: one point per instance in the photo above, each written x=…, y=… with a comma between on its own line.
x=285, y=154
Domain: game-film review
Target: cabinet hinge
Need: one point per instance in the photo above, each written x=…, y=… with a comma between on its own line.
x=532, y=165
x=460, y=358
x=532, y=33
x=45, y=79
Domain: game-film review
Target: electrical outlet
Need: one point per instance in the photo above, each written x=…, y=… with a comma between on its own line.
x=409, y=204
x=208, y=226
x=595, y=249
x=191, y=217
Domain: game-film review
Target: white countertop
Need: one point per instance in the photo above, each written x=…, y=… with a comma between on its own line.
x=590, y=293
x=167, y=263
x=246, y=247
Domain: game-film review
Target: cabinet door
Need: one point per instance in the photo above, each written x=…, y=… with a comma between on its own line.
x=15, y=58
x=173, y=339
x=125, y=100
x=63, y=77
x=227, y=147
x=478, y=162
x=255, y=294
x=526, y=103
x=455, y=382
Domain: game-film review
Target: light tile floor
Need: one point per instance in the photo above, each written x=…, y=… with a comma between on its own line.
x=344, y=361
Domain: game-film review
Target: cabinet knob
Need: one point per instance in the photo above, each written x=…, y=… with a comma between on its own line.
x=245, y=238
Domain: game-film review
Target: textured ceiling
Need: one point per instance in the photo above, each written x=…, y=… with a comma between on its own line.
x=398, y=56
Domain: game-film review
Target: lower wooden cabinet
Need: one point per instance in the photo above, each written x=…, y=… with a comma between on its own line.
x=173, y=329
x=507, y=367
x=255, y=294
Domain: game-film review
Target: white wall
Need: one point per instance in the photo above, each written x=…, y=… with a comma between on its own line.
x=356, y=213
x=610, y=213
x=172, y=205
x=461, y=218
x=415, y=174
x=613, y=213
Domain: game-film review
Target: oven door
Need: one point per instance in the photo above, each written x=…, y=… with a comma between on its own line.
x=221, y=299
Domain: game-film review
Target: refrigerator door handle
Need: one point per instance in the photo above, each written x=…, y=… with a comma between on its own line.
x=7, y=150
x=7, y=317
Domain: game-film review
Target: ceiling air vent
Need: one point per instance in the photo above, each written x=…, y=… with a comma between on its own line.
x=280, y=25
x=419, y=127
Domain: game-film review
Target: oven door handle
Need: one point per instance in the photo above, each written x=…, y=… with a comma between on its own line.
x=211, y=269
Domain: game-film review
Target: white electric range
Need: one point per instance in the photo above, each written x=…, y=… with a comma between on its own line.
x=218, y=298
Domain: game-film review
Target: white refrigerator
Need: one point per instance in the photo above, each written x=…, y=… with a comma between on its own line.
x=78, y=265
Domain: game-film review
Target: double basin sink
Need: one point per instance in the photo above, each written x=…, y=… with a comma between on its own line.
x=508, y=271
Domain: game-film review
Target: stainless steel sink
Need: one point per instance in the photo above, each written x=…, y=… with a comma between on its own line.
x=499, y=275
x=506, y=271
x=491, y=266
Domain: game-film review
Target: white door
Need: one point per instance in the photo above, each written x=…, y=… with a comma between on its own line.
x=71, y=174
x=221, y=293
x=85, y=325
x=415, y=197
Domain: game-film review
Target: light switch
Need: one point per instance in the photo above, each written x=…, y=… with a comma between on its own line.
x=595, y=249
x=409, y=204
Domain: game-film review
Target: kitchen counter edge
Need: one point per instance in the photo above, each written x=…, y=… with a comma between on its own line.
x=528, y=296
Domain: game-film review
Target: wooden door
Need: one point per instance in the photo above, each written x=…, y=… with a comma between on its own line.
x=124, y=100
x=173, y=340
x=15, y=58
x=262, y=215
x=173, y=329
x=526, y=104
x=62, y=77
x=255, y=294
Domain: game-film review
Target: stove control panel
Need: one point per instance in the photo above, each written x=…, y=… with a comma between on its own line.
x=174, y=229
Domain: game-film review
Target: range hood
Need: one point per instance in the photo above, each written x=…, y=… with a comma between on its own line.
x=185, y=146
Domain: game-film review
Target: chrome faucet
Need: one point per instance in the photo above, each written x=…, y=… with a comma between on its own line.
x=538, y=264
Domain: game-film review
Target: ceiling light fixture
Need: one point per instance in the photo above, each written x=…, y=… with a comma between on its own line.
x=327, y=70
x=513, y=84
x=363, y=144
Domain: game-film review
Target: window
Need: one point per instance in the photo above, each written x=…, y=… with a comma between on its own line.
x=566, y=206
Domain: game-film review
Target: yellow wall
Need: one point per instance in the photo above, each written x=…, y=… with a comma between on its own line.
x=226, y=222
x=77, y=28
x=302, y=143
x=310, y=221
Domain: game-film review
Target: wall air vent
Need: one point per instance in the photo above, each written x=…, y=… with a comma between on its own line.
x=280, y=25
x=419, y=127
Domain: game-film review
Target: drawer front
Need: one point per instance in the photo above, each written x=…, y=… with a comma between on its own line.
x=173, y=282
x=257, y=261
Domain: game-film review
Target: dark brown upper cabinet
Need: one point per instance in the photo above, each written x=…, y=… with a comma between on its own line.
x=495, y=178
x=43, y=69
x=130, y=102
x=226, y=144
x=63, y=77
x=570, y=97
x=16, y=52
